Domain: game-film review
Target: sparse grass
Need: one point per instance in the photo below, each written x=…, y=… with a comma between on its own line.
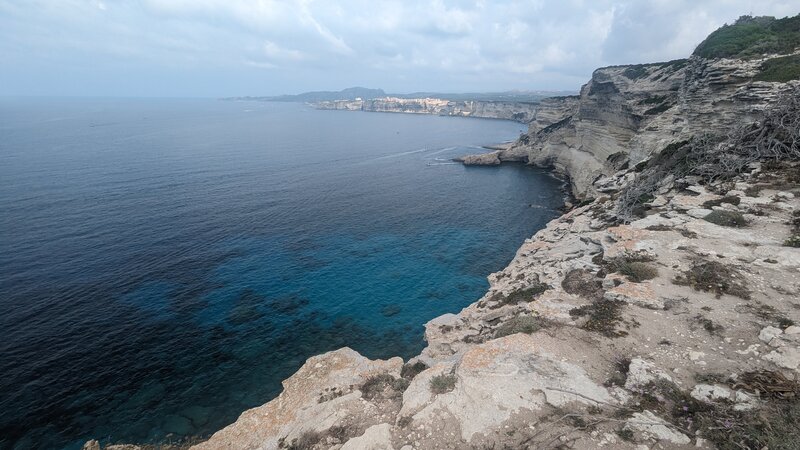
x=409, y=371
x=519, y=296
x=604, y=316
x=634, y=267
x=726, y=218
x=383, y=386
x=519, y=324
x=583, y=283
x=709, y=325
x=441, y=384
x=713, y=276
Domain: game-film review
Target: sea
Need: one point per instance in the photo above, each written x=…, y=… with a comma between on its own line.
x=165, y=263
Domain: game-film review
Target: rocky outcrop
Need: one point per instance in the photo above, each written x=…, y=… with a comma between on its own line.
x=517, y=111
x=625, y=114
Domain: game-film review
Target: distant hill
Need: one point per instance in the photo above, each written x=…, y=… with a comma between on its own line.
x=368, y=94
x=321, y=96
x=751, y=37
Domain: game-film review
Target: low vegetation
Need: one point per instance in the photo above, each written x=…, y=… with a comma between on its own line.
x=751, y=37
x=730, y=199
x=794, y=237
x=713, y=276
x=775, y=425
x=383, y=386
x=783, y=69
x=726, y=218
x=409, y=371
x=519, y=296
x=633, y=266
x=603, y=316
x=519, y=324
x=441, y=384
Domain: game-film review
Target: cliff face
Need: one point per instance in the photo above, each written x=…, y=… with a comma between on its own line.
x=625, y=114
x=518, y=111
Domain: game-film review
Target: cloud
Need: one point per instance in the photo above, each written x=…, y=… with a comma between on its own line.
x=399, y=45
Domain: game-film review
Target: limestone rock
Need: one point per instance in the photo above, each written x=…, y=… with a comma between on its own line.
x=654, y=427
x=377, y=437
x=298, y=408
x=641, y=373
x=497, y=378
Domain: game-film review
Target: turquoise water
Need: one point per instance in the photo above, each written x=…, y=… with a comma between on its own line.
x=164, y=264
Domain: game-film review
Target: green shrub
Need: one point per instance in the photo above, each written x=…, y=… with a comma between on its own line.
x=780, y=70
x=727, y=219
x=714, y=277
x=751, y=37
x=637, y=271
x=444, y=383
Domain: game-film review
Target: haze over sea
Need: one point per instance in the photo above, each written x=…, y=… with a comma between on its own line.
x=164, y=264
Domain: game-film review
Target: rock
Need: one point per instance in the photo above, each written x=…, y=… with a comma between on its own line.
x=91, y=444
x=298, y=408
x=786, y=357
x=710, y=393
x=769, y=333
x=641, y=373
x=653, y=427
x=376, y=437
x=484, y=159
x=695, y=356
x=498, y=378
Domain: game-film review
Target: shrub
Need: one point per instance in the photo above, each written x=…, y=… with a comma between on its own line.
x=727, y=218
x=731, y=199
x=780, y=70
x=409, y=371
x=603, y=317
x=519, y=324
x=521, y=295
x=714, y=277
x=751, y=37
x=636, y=271
x=444, y=383
x=383, y=386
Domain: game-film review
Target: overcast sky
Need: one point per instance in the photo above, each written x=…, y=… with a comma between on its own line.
x=215, y=48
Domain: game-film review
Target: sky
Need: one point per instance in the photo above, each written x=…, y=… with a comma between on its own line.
x=214, y=48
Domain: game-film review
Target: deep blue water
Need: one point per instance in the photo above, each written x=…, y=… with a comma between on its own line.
x=164, y=264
